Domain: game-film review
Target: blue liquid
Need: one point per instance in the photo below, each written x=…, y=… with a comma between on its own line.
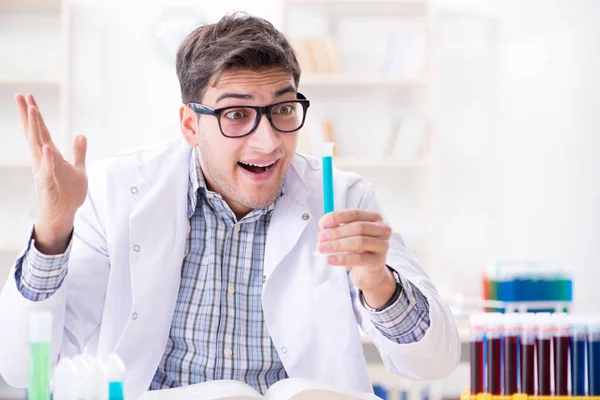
x=380, y=391
x=594, y=368
x=327, y=185
x=578, y=368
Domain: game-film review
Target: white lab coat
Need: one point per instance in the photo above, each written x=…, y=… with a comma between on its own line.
x=124, y=276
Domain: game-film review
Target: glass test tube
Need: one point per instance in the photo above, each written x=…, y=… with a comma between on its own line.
x=494, y=328
x=593, y=352
x=528, y=335
x=543, y=349
x=511, y=353
x=561, y=342
x=477, y=322
x=578, y=349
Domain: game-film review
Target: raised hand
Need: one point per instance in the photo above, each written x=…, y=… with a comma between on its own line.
x=61, y=187
x=359, y=241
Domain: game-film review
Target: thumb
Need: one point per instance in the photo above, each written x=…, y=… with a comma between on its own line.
x=79, y=151
x=47, y=166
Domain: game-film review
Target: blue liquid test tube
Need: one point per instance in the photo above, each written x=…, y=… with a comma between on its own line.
x=328, y=177
x=593, y=353
x=578, y=345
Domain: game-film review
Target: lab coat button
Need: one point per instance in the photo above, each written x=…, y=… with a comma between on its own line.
x=134, y=316
x=236, y=228
x=284, y=350
x=231, y=289
x=134, y=190
x=306, y=216
x=264, y=278
x=228, y=353
x=136, y=248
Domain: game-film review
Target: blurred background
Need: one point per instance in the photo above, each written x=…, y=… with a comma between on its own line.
x=476, y=121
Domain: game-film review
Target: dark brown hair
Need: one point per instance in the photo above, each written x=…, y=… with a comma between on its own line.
x=238, y=40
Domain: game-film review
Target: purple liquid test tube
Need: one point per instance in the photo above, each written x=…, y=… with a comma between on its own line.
x=494, y=331
x=528, y=335
x=477, y=322
x=561, y=342
x=544, y=350
x=511, y=353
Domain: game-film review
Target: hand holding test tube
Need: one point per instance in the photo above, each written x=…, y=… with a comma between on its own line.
x=356, y=239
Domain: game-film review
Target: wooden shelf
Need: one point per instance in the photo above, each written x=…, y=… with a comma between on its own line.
x=16, y=164
x=310, y=81
x=10, y=251
x=30, y=6
x=378, y=163
x=363, y=6
x=23, y=81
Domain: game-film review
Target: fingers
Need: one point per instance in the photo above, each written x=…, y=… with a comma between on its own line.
x=79, y=151
x=354, y=259
x=22, y=107
x=33, y=135
x=46, y=171
x=44, y=132
x=355, y=244
x=336, y=218
x=360, y=228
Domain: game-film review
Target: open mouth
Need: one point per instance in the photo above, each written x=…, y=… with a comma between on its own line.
x=257, y=169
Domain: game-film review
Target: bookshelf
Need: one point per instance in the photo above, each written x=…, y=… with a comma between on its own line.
x=327, y=80
x=362, y=163
x=30, y=6
x=363, y=7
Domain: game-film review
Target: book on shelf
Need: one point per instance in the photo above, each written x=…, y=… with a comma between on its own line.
x=304, y=54
x=317, y=55
x=286, y=389
x=408, y=140
x=329, y=136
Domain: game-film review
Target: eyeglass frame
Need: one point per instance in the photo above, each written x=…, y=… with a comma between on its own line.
x=260, y=111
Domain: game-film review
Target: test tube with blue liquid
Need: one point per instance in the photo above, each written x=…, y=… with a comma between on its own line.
x=327, y=156
x=593, y=356
x=578, y=354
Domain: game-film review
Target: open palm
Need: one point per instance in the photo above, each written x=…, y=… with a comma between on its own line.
x=61, y=186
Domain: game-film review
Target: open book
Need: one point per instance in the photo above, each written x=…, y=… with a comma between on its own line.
x=286, y=389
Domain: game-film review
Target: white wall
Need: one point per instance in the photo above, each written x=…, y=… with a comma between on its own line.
x=539, y=144
x=519, y=142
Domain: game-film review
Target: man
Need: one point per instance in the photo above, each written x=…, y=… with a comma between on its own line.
x=196, y=261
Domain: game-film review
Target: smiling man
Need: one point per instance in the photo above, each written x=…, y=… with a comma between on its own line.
x=195, y=261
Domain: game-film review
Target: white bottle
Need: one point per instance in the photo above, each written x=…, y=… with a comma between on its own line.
x=66, y=380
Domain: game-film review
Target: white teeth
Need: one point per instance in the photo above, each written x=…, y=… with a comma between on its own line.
x=257, y=165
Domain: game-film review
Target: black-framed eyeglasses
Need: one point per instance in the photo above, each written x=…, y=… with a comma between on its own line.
x=239, y=121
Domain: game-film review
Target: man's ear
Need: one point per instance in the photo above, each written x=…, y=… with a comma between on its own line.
x=189, y=125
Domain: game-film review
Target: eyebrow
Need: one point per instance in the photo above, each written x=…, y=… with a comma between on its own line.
x=241, y=96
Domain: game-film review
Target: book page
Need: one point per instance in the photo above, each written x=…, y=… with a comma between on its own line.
x=211, y=390
x=304, y=389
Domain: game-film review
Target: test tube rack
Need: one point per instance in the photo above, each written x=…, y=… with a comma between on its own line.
x=521, y=396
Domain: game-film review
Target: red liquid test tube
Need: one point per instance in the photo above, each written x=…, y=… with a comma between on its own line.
x=544, y=351
x=511, y=352
x=561, y=342
x=528, y=335
x=476, y=323
x=494, y=328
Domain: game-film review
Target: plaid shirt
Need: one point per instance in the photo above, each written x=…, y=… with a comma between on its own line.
x=218, y=329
